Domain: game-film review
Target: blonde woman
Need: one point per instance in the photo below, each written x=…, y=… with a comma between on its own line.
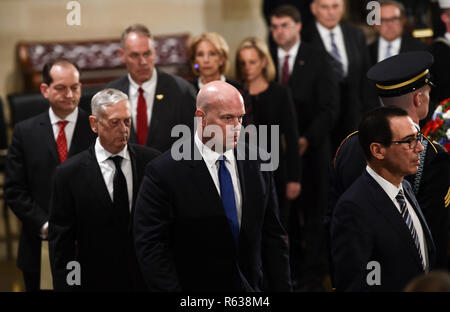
x=271, y=104
x=208, y=54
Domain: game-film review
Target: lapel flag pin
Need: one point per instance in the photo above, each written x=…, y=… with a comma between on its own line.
x=160, y=96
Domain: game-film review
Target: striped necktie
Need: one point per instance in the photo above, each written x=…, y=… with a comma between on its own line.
x=409, y=222
x=338, y=66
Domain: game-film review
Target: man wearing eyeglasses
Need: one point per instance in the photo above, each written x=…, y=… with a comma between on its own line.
x=404, y=81
x=391, y=40
x=379, y=238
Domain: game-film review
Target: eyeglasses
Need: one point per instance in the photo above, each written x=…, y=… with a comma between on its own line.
x=391, y=20
x=412, y=143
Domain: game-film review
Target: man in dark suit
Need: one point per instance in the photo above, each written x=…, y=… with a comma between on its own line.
x=379, y=238
x=391, y=40
x=441, y=51
x=347, y=46
x=432, y=182
x=314, y=85
x=159, y=101
x=209, y=221
x=93, y=194
x=38, y=145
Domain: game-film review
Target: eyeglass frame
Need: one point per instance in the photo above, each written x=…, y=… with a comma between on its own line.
x=410, y=141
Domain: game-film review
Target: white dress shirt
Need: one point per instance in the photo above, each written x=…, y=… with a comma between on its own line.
x=108, y=169
x=210, y=158
x=149, y=88
x=383, y=45
x=68, y=129
x=392, y=191
x=338, y=39
x=447, y=36
x=282, y=55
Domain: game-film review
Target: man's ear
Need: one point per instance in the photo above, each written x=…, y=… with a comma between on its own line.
x=377, y=150
x=44, y=89
x=200, y=113
x=93, y=122
x=122, y=55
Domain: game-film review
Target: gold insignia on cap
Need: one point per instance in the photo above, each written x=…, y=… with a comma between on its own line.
x=402, y=84
x=159, y=96
x=447, y=198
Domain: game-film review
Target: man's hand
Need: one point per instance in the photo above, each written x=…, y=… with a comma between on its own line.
x=302, y=145
x=293, y=190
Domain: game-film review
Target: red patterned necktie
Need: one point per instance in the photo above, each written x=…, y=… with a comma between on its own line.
x=61, y=141
x=141, y=118
x=285, y=71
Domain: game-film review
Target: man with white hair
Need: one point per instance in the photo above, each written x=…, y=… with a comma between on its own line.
x=210, y=223
x=93, y=200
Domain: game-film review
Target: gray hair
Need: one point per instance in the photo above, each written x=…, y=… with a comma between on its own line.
x=105, y=98
x=136, y=28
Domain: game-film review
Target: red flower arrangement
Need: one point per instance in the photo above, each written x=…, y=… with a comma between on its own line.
x=438, y=128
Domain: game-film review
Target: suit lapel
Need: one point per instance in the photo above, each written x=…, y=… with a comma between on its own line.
x=159, y=101
x=96, y=179
x=384, y=204
x=426, y=231
x=243, y=182
x=349, y=45
x=79, y=134
x=47, y=132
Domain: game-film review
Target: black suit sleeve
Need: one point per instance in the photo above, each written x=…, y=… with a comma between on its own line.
x=289, y=129
x=350, y=246
x=275, y=254
x=17, y=190
x=152, y=222
x=62, y=244
x=327, y=102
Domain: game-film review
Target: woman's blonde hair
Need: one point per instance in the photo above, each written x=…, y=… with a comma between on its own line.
x=219, y=44
x=263, y=51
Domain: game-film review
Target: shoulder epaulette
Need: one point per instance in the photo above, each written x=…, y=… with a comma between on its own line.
x=340, y=145
x=432, y=143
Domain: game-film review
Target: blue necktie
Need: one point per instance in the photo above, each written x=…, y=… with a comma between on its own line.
x=408, y=220
x=228, y=200
x=388, y=51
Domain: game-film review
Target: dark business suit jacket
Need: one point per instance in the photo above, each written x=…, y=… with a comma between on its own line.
x=407, y=44
x=84, y=227
x=357, y=96
x=434, y=184
x=31, y=162
x=315, y=91
x=184, y=242
x=440, y=69
x=174, y=104
x=366, y=226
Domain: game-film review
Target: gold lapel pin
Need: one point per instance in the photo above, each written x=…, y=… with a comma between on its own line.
x=160, y=96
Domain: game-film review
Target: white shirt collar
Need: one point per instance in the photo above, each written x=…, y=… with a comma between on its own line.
x=72, y=117
x=209, y=155
x=147, y=86
x=102, y=154
x=390, y=189
x=201, y=84
x=395, y=44
x=447, y=36
x=325, y=32
x=292, y=51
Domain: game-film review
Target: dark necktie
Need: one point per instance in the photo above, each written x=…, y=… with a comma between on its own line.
x=409, y=222
x=338, y=66
x=61, y=141
x=120, y=192
x=228, y=200
x=141, y=118
x=285, y=71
